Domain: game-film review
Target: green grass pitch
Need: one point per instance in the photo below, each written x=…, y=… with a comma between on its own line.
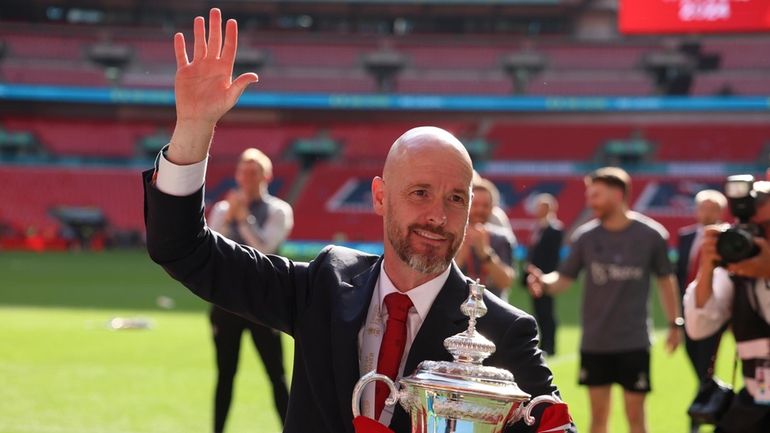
x=63, y=371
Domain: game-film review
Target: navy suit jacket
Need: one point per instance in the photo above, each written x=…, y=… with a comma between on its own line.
x=323, y=304
x=546, y=251
x=684, y=247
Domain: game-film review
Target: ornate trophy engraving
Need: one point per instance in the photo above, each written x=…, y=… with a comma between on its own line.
x=461, y=396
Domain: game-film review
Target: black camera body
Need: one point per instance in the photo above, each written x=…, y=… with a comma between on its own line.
x=736, y=243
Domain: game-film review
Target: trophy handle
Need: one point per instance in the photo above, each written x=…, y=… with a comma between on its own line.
x=525, y=410
x=366, y=379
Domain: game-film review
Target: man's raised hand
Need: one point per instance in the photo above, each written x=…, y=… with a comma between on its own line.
x=204, y=87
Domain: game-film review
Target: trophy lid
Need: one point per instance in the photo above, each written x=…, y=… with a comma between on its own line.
x=466, y=374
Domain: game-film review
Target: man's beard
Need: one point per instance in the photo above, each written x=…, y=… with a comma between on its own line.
x=602, y=213
x=429, y=262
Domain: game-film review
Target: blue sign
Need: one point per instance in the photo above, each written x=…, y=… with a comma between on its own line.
x=326, y=101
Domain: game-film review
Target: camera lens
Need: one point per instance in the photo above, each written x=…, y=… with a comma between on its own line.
x=735, y=244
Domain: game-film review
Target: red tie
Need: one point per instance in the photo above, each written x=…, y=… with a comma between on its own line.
x=392, y=346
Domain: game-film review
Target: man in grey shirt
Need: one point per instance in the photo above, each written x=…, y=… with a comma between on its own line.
x=620, y=250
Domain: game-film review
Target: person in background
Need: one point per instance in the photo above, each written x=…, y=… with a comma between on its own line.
x=620, y=251
x=487, y=252
x=710, y=205
x=498, y=217
x=543, y=253
x=250, y=216
x=740, y=294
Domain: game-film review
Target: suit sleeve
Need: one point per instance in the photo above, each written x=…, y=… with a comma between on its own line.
x=270, y=290
x=682, y=261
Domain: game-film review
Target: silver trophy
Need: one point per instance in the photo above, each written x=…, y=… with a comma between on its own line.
x=461, y=396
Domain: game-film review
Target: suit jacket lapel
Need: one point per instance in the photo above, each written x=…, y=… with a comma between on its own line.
x=443, y=320
x=348, y=315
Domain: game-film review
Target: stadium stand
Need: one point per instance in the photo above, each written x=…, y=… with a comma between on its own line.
x=36, y=191
x=546, y=141
x=733, y=142
x=91, y=138
x=332, y=186
x=339, y=195
x=371, y=141
x=337, y=191
x=330, y=62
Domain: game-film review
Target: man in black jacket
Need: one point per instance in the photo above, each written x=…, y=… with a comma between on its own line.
x=338, y=307
x=544, y=251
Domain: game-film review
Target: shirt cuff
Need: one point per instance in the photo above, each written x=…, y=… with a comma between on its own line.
x=179, y=180
x=710, y=310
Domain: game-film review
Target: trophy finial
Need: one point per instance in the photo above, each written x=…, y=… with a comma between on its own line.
x=469, y=346
x=474, y=307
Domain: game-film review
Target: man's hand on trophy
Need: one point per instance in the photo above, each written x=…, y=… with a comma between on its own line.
x=204, y=87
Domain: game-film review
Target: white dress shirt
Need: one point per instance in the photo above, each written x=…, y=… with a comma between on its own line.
x=370, y=335
x=707, y=320
x=183, y=180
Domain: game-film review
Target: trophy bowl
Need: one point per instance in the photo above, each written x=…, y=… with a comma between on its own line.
x=461, y=396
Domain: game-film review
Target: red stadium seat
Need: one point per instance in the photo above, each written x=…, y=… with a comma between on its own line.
x=35, y=191
x=93, y=138
x=545, y=141
x=333, y=206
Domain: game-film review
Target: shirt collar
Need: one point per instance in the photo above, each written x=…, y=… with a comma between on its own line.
x=422, y=296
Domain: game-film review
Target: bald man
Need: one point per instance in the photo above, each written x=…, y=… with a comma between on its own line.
x=349, y=312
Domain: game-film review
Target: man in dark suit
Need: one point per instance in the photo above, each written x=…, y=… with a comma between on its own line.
x=544, y=250
x=348, y=312
x=710, y=205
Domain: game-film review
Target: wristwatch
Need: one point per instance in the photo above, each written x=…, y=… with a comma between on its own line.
x=677, y=323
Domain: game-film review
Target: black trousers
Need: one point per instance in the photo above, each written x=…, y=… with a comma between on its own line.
x=546, y=321
x=227, y=330
x=700, y=353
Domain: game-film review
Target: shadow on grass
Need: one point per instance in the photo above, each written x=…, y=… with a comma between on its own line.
x=121, y=280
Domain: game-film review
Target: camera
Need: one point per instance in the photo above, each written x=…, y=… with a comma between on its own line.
x=736, y=243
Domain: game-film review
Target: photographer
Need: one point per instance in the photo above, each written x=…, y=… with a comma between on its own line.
x=738, y=291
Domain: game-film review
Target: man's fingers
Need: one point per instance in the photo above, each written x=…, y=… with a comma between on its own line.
x=231, y=42
x=199, y=30
x=761, y=243
x=180, y=51
x=239, y=85
x=535, y=290
x=534, y=285
x=534, y=270
x=215, y=33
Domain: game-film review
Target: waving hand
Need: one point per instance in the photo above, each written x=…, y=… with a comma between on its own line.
x=204, y=87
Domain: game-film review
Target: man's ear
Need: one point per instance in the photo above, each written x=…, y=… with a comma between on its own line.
x=378, y=195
